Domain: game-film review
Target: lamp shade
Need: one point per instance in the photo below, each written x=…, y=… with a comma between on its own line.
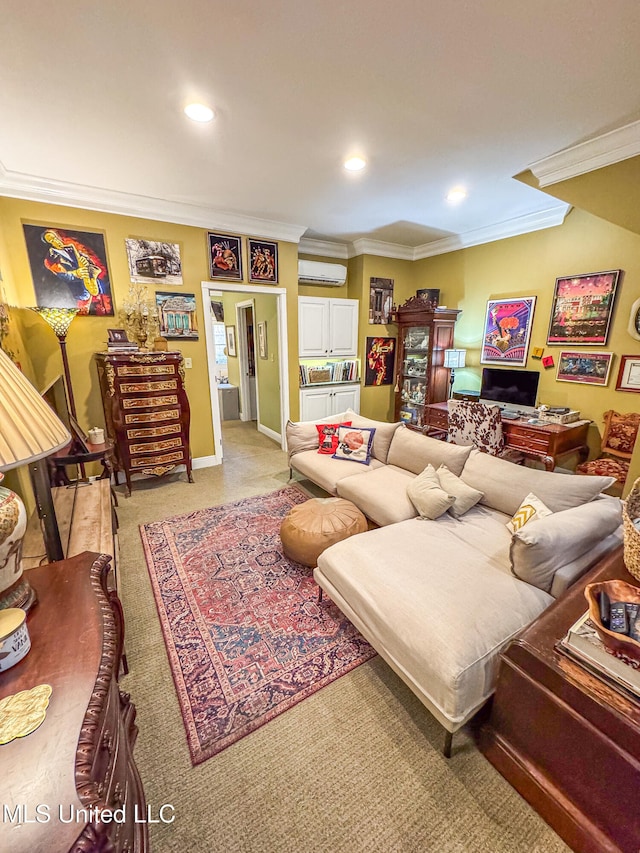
x=454, y=358
x=58, y=318
x=29, y=428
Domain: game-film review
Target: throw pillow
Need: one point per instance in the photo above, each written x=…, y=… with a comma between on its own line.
x=530, y=509
x=354, y=444
x=428, y=496
x=465, y=496
x=328, y=436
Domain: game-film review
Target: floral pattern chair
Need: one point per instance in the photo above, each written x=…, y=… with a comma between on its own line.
x=618, y=439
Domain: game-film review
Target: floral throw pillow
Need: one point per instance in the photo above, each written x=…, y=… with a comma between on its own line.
x=328, y=436
x=354, y=444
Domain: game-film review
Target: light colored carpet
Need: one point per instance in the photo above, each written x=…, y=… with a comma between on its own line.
x=356, y=767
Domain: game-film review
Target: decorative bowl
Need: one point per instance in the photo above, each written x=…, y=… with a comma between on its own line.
x=619, y=644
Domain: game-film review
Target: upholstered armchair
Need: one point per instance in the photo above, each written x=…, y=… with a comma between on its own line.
x=618, y=439
x=481, y=425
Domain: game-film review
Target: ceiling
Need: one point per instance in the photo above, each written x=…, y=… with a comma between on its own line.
x=432, y=94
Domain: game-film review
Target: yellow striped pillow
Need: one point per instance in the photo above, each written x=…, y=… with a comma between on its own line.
x=530, y=509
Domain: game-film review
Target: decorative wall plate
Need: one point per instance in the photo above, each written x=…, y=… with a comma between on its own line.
x=634, y=321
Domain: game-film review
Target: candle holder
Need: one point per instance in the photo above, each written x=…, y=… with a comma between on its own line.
x=139, y=316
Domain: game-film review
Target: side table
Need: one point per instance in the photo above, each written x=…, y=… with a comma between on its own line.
x=565, y=740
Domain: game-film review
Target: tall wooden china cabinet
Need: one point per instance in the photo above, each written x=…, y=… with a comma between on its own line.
x=423, y=336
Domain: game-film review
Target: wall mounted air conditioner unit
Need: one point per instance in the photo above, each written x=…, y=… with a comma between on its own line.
x=319, y=272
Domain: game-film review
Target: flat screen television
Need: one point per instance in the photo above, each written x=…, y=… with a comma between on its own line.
x=509, y=388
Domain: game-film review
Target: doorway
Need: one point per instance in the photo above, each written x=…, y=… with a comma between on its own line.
x=255, y=320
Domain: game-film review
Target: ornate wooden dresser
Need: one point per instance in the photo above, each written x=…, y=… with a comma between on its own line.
x=146, y=411
x=56, y=782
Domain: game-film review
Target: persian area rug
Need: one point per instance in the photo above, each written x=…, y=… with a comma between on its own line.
x=245, y=634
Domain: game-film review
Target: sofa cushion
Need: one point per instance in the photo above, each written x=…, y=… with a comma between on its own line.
x=428, y=496
x=506, y=485
x=303, y=435
x=464, y=496
x=354, y=444
x=381, y=495
x=413, y=589
x=383, y=436
x=539, y=549
x=530, y=509
x=326, y=471
x=413, y=452
x=328, y=437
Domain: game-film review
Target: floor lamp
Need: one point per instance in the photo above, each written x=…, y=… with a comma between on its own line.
x=29, y=432
x=454, y=358
x=60, y=319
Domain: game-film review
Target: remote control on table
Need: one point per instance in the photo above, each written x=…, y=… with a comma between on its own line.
x=618, y=620
x=604, y=604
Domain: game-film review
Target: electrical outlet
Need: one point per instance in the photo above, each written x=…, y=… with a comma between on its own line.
x=188, y=362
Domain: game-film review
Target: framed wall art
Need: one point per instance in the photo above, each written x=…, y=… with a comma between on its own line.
x=588, y=368
x=154, y=262
x=634, y=321
x=381, y=354
x=507, y=329
x=230, y=332
x=263, y=261
x=629, y=374
x=225, y=256
x=262, y=339
x=582, y=307
x=380, y=300
x=177, y=315
x=69, y=269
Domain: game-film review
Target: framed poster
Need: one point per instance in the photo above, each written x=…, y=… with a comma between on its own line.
x=629, y=374
x=380, y=300
x=263, y=261
x=262, y=339
x=225, y=256
x=381, y=355
x=69, y=269
x=588, y=368
x=231, y=340
x=582, y=307
x=154, y=262
x=507, y=329
x=177, y=315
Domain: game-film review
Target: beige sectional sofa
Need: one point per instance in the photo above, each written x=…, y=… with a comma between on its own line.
x=438, y=599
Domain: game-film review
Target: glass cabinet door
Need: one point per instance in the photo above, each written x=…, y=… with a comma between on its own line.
x=413, y=390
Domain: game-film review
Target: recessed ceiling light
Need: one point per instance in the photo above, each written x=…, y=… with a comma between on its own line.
x=354, y=164
x=198, y=112
x=456, y=194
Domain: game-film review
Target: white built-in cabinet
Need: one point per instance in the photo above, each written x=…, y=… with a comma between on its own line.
x=322, y=402
x=327, y=327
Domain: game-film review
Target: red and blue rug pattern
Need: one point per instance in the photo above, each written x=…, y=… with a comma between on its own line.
x=245, y=635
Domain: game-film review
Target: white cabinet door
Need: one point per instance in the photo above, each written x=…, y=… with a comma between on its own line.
x=313, y=326
x=315, y=403
x=346, y=397
x=343, y=327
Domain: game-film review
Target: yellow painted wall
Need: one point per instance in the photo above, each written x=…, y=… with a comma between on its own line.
x=267, y=370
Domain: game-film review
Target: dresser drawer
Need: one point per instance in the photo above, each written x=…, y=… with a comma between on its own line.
x=526, y=439
x=436, y=418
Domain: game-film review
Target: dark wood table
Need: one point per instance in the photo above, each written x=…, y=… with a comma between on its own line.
x=568, y=742
x=546, y=443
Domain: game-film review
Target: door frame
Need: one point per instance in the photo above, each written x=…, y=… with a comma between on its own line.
x=243, y=356
x=283, y=348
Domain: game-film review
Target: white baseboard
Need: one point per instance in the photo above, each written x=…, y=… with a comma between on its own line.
x=270, y=433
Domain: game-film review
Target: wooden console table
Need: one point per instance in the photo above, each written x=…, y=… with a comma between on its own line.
x=79, y=761
x=564, y=739
x=546, y=443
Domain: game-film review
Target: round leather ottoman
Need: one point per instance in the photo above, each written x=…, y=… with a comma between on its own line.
x=311, y=527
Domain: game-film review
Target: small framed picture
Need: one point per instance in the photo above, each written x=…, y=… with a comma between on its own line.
x=263, y=261
x=117, y=336
x=589, y=368
x=262, y=339
x=629, y=374
x=225, y=256
x=231, y=340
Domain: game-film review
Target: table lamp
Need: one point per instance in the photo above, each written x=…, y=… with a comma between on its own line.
x=29, y=431
x=453, y=358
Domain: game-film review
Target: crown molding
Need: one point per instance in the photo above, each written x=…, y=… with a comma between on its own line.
x=604, y=150
x=382, y=250
x=325, y=248
x=33, y=188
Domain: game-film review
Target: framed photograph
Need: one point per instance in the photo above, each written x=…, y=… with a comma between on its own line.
x=117, y=336
x=225, y=256
x=629, y=374
x=381, y=356
x=154, y=262
x=582, y=307
x=177, y=315
x=69, y=269
x=507, y=329
x=380, y=300
x=263, y=261
x=231, y=340
x=217, y=309
x=262, y=339
x=588, y=368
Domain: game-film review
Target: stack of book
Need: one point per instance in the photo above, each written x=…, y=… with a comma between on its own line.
x=583, y=644
x=337, y=371
x=122, y=346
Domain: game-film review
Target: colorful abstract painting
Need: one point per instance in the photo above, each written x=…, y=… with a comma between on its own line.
x=381, y=354
x=507, y=329
x=582, y=308
x=69, y=269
